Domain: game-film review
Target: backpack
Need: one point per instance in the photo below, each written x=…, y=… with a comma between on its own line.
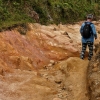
x=87, y=30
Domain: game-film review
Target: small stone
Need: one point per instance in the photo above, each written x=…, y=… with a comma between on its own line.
x=95, y=69
x=49, y=65
x=45, y=67
x=60, y=90
x=95, y=65
x=56, y=99
x=65, y=33
x=54, y=29
x=52, y=62
x=71, y=41
x=58, y=81
x=60, y=95
x=70, y=88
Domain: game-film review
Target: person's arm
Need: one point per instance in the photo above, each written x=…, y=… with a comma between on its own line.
x=94, y=31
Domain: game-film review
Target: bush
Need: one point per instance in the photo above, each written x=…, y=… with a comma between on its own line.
x=49, y=11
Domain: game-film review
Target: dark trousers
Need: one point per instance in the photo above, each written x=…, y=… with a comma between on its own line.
x=84, y=46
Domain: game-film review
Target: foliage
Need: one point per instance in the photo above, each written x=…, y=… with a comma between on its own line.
x=49, y=11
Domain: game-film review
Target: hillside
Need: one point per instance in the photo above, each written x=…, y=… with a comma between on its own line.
x=19, y=12
x=44, y=64
x=40, y=46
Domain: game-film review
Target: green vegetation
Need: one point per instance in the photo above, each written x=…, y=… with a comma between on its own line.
x=13, y=12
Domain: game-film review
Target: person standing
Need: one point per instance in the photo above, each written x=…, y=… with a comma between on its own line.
x=88, y=33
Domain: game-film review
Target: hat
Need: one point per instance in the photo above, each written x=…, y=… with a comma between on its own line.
x=90, y=16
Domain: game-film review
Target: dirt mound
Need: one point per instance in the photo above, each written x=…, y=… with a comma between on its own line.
x=58, y=82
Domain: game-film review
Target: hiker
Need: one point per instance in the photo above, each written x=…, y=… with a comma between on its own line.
x=88, y=33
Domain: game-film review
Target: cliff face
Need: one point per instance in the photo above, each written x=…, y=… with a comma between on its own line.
x=35, y=49
x=43, y=64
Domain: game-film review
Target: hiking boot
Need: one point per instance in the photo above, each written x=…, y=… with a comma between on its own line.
x=82, y=57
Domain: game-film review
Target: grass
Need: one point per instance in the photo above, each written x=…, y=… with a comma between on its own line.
x=66, y=11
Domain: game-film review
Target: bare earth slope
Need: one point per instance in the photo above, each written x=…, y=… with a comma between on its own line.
x=43, y=64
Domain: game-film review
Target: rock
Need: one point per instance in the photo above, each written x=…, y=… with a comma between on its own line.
x=57, y=99
x=49, y=65
x=71, y=41
x=51, y=61
x=95, y=69
x=58, y=81
x=60, y=95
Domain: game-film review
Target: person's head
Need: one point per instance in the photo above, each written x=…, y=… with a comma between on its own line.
x=90, y=17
